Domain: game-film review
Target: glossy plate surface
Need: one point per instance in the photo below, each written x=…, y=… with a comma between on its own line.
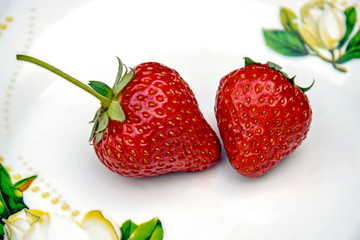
x=313, y=194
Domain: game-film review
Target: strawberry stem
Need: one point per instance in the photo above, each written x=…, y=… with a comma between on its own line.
x=104, y=100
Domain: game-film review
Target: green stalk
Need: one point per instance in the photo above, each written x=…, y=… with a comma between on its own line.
x=332, y=60
x=104, y=101
x=342, y=69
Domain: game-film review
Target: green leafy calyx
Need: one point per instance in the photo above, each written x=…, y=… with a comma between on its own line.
x=113, y=111
x=110, y=107
x=276, y=67
x=249, y=61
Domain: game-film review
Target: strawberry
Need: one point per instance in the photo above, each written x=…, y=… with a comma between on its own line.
x=149, y=122
x=262, y=116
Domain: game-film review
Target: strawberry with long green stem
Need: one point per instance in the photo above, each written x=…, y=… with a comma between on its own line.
x=110, y=108
x=149, y=123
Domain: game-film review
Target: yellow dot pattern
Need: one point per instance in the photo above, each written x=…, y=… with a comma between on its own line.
x=35, y=189
x=75, y=213
x=65, y=206
x=45, y=194
x=17, y=176
x=4, y=23
x=9, y=19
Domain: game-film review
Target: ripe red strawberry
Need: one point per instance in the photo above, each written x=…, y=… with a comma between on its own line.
x=262, y=117
x=149, y=123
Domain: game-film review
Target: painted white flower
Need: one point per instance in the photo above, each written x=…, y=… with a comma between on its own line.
x=38, y=225
x=322, y=25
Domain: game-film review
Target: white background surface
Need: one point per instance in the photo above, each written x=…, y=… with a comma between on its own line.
x=313, y=194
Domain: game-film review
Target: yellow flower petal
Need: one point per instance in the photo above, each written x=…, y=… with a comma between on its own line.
x=18, y=221
x=20, y=214
x=32, y=217
x=98, y=227
x=323, y=25
x=332, y=26
x=12, y=232
x=37, y=212
x=310, y=37
x=55, y=227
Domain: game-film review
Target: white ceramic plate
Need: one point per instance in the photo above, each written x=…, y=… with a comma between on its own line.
x=313, y=194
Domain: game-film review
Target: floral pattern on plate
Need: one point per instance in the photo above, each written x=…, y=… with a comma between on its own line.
x=20, y=222
x=323, y=29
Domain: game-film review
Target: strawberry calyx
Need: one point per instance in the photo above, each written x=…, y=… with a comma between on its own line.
x=114, y=110
x=249, y=61
x=110, y=107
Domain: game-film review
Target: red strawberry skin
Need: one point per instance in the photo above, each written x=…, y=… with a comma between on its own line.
x=164, y=130
x=262, y=118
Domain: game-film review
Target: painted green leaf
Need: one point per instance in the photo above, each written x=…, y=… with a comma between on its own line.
x=4, y=210
x=127, y=229
x=350, y=14
x=12, y=196
x=4, y=214
x=351, y=54
x=158, y=233
x=285, y=43
x=2, y=232
x=287, y=17
x=25, y=183
x=354, y=42
x=101, y=88
x=115, y=112
x=147, y=229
